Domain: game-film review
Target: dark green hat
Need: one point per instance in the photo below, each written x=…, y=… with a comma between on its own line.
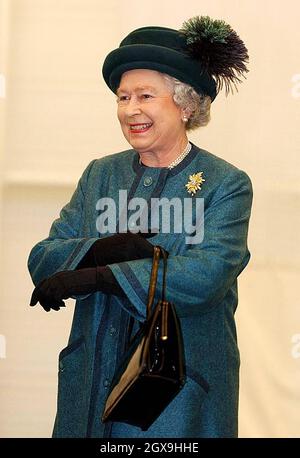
x=205, y=53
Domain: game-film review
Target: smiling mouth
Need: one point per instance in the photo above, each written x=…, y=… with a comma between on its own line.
x=138, y=128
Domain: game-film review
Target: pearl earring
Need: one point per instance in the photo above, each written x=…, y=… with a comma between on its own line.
x=185, y=118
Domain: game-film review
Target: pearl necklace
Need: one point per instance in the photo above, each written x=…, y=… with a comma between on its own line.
x=181, y=156
x=178, y=159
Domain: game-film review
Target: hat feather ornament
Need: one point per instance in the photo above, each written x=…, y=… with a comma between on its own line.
x=220, y=50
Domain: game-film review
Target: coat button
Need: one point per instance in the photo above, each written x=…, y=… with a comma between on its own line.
x=106, y=383
x=148, y=181
x=112, y=330
x=61, y=366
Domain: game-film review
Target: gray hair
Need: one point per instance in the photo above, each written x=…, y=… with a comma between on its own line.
x=188, y=99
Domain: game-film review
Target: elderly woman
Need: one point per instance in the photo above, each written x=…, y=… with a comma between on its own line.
x=99, y=251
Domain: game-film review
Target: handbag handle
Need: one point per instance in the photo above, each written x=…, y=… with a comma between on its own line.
x=158, y=252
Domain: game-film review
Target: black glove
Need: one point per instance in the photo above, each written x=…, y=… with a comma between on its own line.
x=118, y=248
x=51, y=291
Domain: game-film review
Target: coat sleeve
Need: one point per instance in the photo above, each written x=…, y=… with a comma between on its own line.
x=201, y=275
x=64, y=247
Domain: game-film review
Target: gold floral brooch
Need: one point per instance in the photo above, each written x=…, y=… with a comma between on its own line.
x=194, y=183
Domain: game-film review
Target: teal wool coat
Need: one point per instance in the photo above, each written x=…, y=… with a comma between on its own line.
x=201, y=282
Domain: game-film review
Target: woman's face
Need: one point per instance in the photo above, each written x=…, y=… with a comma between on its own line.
x=149, y=118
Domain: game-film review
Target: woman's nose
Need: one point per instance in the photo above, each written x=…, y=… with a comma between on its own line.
x=133, y=107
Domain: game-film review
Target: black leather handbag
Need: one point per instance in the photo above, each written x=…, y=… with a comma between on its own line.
x=153, y=370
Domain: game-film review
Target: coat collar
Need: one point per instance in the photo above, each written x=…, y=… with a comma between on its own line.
x=137, y=167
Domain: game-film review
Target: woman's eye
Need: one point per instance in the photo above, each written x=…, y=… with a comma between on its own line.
x=122, y=98
x=147, y=96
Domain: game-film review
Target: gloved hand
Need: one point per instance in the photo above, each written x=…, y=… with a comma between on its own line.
x=51, y=291
x=118, y=248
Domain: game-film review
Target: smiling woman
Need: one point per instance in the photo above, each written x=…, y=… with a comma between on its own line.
x=164, y=80
x=150, y=120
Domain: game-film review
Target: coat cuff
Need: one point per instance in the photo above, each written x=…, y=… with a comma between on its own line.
x=137, y=295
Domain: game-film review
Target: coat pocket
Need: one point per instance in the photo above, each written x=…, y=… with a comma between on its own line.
x=72, y=403
x=182, y=417
x=197, y=378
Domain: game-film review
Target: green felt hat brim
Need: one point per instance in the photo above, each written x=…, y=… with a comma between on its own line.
x=159, y=58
